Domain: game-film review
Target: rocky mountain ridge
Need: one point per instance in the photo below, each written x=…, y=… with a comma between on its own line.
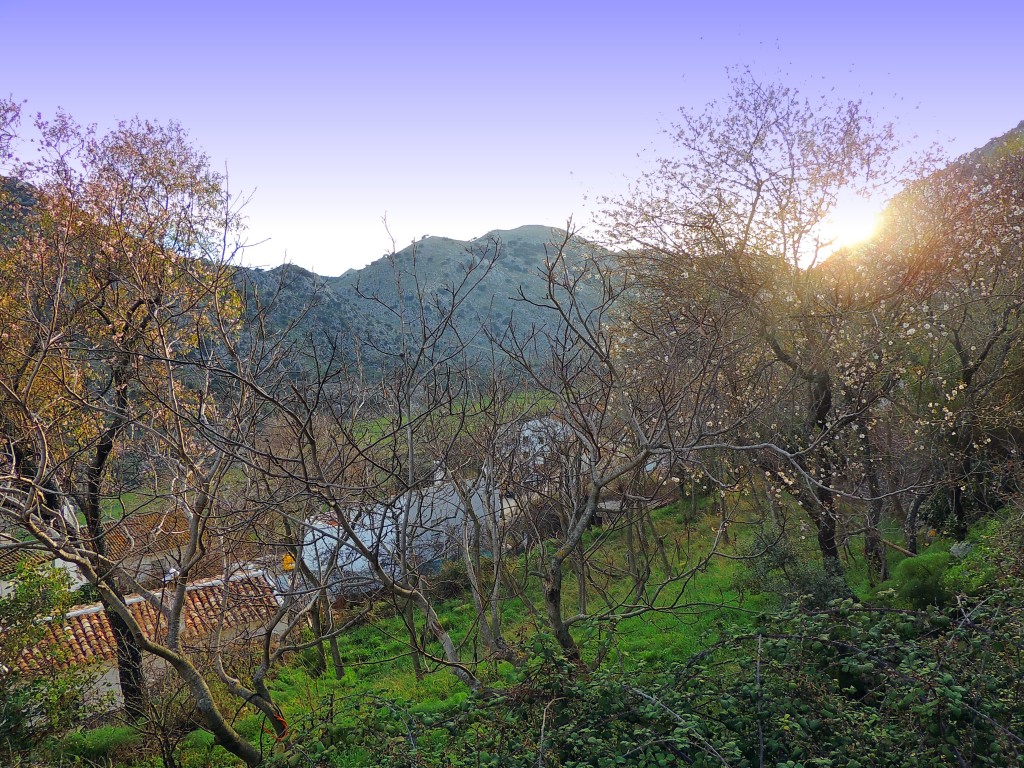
x=366, y=307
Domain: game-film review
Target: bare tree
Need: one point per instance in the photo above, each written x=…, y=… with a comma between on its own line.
x=627, y=402
x=732, y=227
x=368, y=457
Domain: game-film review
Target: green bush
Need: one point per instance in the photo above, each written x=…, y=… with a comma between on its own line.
x=35, y=707
x=100, y=744
x=847, y=685
x=919, y=581
x=451, y=580
x=198, y=750
x=780, y=567
x=85, y=594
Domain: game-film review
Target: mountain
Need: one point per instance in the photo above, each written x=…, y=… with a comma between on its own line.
x=364, y=306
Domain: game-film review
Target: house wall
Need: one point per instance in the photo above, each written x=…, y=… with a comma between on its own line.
x=104, y=694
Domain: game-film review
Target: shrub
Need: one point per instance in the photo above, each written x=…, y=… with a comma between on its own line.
x=34, y=707
x=848, y=685
x=101, y=745
x=199, y=750
x=994, y=560
x=778, y=566
x=919, y=580
x=451, y=580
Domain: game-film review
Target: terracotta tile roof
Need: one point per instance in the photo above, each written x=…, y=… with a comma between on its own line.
x=165, y=537
x=85, y=635
x=13, y=553
x=146, y=534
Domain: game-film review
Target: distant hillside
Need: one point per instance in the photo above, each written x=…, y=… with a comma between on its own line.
x=995, y=171
x=1010, y=143
x=363, y=306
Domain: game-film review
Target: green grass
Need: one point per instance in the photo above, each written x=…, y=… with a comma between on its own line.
x=130, y=502
x=693, y=614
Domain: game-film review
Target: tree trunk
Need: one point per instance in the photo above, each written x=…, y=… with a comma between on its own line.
x=723, y=509
x=472, y=561
x=958, y=494
x=659, y=543
x=320, y=665
x=130, y=673
x=910, y=523
x=723, y=518
x=874, y=549
x=631, y=556
x=827, y=545
x=451, y=653
x=820, y=506
x=827, y=519
x=553, y=605
x=167, y=752
x=339, y=664
x=214, y=720
x=409, y=619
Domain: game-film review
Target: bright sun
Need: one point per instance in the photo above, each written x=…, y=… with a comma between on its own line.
x=849, y=225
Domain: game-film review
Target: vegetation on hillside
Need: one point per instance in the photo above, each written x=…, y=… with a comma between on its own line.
x=362, y=307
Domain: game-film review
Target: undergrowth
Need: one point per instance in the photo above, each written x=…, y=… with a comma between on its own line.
x=742, y=666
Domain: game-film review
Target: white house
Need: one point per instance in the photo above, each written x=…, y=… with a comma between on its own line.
x=427, y=525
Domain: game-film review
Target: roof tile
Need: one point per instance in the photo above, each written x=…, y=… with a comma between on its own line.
x=85, y=636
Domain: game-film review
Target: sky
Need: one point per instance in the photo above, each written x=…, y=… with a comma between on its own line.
x=457, y=118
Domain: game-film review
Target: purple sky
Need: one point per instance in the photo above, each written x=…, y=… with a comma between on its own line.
x=458, y=118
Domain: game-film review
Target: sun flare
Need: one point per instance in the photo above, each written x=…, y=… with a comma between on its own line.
x=849, y=226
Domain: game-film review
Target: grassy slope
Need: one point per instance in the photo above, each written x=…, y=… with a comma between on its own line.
x=380, y=669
